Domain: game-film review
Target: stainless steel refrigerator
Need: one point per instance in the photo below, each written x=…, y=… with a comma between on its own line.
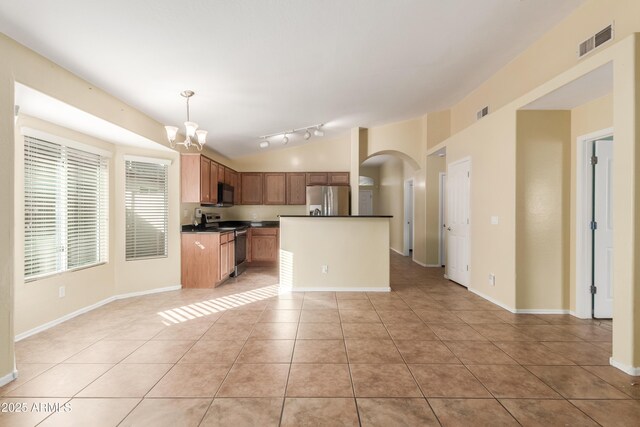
x=328, y=200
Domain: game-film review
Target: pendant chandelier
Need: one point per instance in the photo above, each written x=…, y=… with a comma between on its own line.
x=194, y=137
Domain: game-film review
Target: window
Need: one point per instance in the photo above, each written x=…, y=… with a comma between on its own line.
x=66, y=207
x=147, y=208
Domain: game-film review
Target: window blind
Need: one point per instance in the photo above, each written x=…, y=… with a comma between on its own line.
x=147, y=209
x=66, y=208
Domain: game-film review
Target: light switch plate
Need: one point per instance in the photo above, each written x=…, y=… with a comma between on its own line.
x=494, y=220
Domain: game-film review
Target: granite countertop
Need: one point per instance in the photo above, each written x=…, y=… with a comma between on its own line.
x=230, y=225
x=335, y=216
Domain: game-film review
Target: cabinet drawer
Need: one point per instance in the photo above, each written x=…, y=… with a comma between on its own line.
x=267, y=231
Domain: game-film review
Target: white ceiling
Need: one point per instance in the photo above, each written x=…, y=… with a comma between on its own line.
x=264, y=66
x=588, y=87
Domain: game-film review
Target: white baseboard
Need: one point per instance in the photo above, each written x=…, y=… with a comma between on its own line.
x=432, y=265
x=630, y=370
x=396, y=251
x=541, y=311
x=421, y=264
x=334, y=289
x=492, y=300
x=89, y=308
x=447, y=277
x=8, y=378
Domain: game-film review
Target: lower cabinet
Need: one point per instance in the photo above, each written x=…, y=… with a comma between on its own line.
x=207, y=259
x=264, y=245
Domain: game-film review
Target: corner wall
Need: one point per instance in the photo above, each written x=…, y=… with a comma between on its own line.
x=543, y=152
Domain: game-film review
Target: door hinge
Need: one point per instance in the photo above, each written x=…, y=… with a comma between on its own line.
x=593, y=225
x=467, y=220
x=593, y=289
x=467, y=268
x=468, y=174
x=594, y=160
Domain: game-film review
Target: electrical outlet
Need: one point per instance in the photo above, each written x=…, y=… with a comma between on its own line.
x=62, y=292
x=325, y=268
x=492, y=279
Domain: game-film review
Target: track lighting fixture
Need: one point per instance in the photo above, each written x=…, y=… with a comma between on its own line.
x=317, y=131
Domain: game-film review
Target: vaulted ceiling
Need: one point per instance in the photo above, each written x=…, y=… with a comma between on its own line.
x=265, y=66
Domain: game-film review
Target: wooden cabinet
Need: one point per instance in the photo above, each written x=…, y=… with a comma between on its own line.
x=264, y=245
x=199, y=179
x=317, y=178
x=338, y=178
x=231, y=178
x=227, y=255
x=274, y=189
x=251, y=183
x=296, y=188
x=221, y=173
x=200, y=259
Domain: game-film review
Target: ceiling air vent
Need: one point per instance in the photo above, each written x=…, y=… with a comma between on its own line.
x=595, y=41
x=481, y=113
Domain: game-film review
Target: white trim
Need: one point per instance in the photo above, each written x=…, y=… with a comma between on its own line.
x=492, y=300
x=432, y=265
x=442, y=177
x=8, y=378
x=89, y=308
x=421, y=264
x=627, y=369
x=143, y=159
x=35, y=133
x=445, y=276
x=396, y=251
x=332, y=289
x=459, y=161
x=583, y=233
x=406, y=232
x=541, y=311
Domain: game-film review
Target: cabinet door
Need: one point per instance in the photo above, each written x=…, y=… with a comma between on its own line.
x=237, y=191
x=338, y=178
x=274, y=189
x=198, y=270
x=232, y=255
x=190, y=178
x=264, y=244
x=213, y=179
x=229, y=176
x=205, y=180
x=251, y=183
x=221, y=174
x=296, y=188
x=317, y=178
x=224, y=260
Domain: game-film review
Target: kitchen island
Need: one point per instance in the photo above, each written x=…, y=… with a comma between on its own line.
x=334, y=253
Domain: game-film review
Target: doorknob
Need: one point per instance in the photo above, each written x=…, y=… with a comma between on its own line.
x=448, y=228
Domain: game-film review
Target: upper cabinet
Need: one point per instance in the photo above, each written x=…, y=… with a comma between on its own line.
x=200, y=177
x=251, y=183
x=296, y=188
x=338, y=178
x=274, y=189
x=317, y=178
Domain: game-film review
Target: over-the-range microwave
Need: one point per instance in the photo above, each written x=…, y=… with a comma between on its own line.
x=225, y=194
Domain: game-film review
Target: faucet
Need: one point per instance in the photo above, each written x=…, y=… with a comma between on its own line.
x=317, y=212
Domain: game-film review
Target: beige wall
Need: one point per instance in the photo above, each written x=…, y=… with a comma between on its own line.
x=391, y=200
x=588, y=118
x=435, y=166
x=552, y=54
x=543, y=149
x=438, y=127
x=27, y=67
x=356, y=251
x=318, y=155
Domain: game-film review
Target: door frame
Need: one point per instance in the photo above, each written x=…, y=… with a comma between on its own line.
x=442, y=182
x=370, y=192
x=408, y=232
x=456, y=162
x=582, y=220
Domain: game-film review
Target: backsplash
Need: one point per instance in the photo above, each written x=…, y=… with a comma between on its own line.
x=242, y=212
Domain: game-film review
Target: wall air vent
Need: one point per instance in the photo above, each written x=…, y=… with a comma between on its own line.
x=595, y=41
x=483, y=112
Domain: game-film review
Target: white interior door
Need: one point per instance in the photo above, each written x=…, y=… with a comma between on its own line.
x=441, y=235
x=458, y=193
x=603, y=235
x=365, y=202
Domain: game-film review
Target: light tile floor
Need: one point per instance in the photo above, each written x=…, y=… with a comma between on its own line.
x=428, y=353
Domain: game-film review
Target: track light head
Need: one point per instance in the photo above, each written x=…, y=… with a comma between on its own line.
x=307, y=134
x=318, y=131
x=264, y=144
x=285, y=139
